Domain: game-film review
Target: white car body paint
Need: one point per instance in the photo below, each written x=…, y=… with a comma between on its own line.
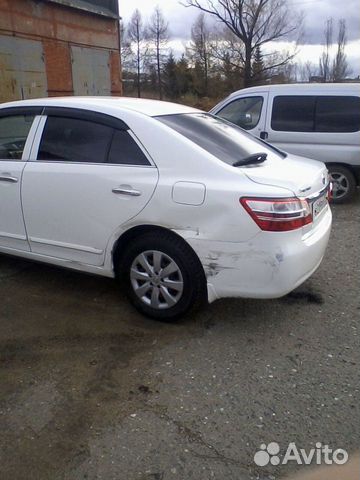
x=186, y=190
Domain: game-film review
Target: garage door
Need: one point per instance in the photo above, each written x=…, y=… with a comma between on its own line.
x=91, y=71
x=22, y=69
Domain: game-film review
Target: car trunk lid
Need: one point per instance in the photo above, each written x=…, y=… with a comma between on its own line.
x=304, y=177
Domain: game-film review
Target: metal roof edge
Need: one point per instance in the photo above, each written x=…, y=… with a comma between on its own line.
x=87, y=7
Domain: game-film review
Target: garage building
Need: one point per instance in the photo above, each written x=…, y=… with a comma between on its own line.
x=59, y=47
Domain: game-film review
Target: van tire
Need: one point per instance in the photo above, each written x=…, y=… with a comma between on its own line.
x=345, y=179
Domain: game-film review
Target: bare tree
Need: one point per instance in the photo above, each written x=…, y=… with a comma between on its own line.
x=125, y=47
x=334, y=70
x=340, y=67
x=199, y=48
x=225, y=45
x=136, y=35
x=325, y=59
x=255, y=23
x=158, y=34
x=307, y=71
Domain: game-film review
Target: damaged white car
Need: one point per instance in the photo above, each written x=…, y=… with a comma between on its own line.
x=181, y=206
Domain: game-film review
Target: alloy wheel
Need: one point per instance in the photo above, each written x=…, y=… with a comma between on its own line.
x=156, y=279
x=340, y=184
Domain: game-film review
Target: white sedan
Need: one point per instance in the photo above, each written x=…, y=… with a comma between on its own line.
x=180, y=206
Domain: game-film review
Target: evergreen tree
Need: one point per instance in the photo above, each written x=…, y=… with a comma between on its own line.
x=258, y=75
x=170, y=77
x=183, y=76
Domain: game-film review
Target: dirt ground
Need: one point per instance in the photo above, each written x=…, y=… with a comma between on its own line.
x=89, y=389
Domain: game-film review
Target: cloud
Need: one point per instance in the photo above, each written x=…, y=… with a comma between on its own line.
x=317, y=12
x=312, y=53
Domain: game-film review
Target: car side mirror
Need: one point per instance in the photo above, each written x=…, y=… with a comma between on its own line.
x=247, y=118
x=244, y=120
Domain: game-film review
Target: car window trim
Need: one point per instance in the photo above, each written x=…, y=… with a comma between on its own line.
x=16, y=111
x=87, y=115
x=38, y=136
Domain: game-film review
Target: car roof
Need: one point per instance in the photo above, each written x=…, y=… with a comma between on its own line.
x=296, y=87
x=147, y=107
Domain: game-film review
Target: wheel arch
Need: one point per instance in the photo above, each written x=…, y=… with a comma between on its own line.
x=352, y=168
x=138, y=230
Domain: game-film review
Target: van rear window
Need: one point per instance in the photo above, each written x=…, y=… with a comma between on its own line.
x=310, y=113
x=337, y=114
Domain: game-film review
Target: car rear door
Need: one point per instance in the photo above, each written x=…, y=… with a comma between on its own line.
x=87, y=176
x=17, y=127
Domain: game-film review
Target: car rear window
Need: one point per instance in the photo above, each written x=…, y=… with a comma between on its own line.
x=222, y=139
x=125, y=151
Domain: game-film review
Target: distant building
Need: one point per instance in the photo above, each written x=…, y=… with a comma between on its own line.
x=59, y=47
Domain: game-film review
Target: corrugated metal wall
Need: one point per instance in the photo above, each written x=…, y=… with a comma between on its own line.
x=90, y=71
x=22, y=69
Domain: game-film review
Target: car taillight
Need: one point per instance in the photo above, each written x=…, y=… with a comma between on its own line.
x=278, y=214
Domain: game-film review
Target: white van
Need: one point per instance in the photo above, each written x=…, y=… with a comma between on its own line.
x=319, y=121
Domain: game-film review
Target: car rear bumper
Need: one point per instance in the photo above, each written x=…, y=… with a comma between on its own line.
x=269, y=266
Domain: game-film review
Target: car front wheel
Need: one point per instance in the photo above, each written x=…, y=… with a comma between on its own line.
x=162, y=275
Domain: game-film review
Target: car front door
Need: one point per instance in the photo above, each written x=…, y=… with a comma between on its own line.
x=86, y=177
x=17, y=126
x=248, y=112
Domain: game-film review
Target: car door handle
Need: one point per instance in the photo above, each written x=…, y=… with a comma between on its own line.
x=126, y=191
x=8, y=178
x=264, y=135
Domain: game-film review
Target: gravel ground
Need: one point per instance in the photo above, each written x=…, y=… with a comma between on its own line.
x=92, y=390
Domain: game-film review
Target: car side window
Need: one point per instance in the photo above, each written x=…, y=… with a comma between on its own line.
x=14, y=130
x=74, y=140
x=125, y=151
x=293, y=113
x=337, y=114
x=244, y=112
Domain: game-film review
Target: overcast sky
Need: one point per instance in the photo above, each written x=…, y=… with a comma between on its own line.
x=316, y=13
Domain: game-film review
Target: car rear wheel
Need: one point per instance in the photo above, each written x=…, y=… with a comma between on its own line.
x=162, y=275
x=344, y=183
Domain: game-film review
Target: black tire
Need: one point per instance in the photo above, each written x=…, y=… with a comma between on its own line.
x=192, y=274
x=347, y=184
